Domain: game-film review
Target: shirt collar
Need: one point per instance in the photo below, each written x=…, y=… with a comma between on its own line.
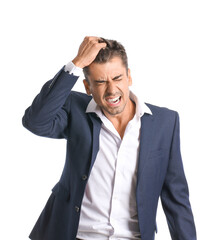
x=141, y=107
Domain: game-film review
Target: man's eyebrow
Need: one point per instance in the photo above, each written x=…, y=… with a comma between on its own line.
x=117, y=77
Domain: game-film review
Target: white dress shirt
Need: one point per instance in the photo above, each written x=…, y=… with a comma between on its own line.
x=109, y=208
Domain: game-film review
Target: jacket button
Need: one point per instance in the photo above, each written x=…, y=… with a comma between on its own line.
x=77, y=208
x=84, y=177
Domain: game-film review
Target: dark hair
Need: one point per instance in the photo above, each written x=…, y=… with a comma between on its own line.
x=113, y=49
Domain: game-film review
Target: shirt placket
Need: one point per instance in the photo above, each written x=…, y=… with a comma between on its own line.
x=116, y=198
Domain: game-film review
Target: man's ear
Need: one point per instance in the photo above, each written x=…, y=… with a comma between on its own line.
x=87, y=86
x=129, y=78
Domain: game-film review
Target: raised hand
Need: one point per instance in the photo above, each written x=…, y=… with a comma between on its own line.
x=88, y=51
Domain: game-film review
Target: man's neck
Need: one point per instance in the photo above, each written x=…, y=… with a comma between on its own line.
x=120, y=121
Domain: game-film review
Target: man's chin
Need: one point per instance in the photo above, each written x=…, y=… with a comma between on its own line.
x=113, y=112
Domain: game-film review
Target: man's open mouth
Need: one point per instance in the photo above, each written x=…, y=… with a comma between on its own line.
x=113, y=101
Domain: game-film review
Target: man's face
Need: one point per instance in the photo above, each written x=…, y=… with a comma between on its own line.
x=109, y=86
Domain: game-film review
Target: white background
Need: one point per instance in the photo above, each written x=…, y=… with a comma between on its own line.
x=173, y=55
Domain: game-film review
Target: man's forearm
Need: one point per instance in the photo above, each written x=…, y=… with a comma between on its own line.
x=47, y=116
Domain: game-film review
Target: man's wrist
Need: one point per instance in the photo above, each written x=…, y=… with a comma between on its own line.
x=73, y=69
x=78, y=63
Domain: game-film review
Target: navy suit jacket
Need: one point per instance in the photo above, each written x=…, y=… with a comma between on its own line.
x=58, y=112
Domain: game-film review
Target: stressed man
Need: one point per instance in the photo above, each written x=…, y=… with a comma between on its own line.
x=122, y=154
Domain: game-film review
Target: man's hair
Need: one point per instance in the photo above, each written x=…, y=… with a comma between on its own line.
x=113, y=49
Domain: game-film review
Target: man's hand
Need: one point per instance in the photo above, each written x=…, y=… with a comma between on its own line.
x=88, y=51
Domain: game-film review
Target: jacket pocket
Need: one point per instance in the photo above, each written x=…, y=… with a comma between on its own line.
x=61, y=192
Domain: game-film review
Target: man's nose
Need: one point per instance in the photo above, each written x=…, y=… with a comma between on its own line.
x=111, y=88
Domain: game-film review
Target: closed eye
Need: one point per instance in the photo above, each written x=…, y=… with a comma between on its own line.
x=99, y=81
x=118, y=78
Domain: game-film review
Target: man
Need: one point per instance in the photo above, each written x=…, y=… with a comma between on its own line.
x=122, y=154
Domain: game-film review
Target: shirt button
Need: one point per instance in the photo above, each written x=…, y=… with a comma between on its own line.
x=84, y=177
x=77, y=208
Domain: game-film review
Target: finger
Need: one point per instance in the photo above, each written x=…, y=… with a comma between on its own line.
x=87, y=43
x=101, y=40
x=91, y=38
x=102, y=45
x=95, y=44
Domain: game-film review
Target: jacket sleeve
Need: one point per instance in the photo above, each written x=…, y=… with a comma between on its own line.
x=175, y=194
x=48, y=114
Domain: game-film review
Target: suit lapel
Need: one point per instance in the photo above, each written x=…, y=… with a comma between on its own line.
x=146, y=136
x=95, y=137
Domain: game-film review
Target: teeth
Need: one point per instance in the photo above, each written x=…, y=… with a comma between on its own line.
x=113, y=100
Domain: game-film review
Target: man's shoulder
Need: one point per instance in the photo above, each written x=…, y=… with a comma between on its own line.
x=162, y=112
x=80, y=96
x=79, y=100
x=159, y=109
